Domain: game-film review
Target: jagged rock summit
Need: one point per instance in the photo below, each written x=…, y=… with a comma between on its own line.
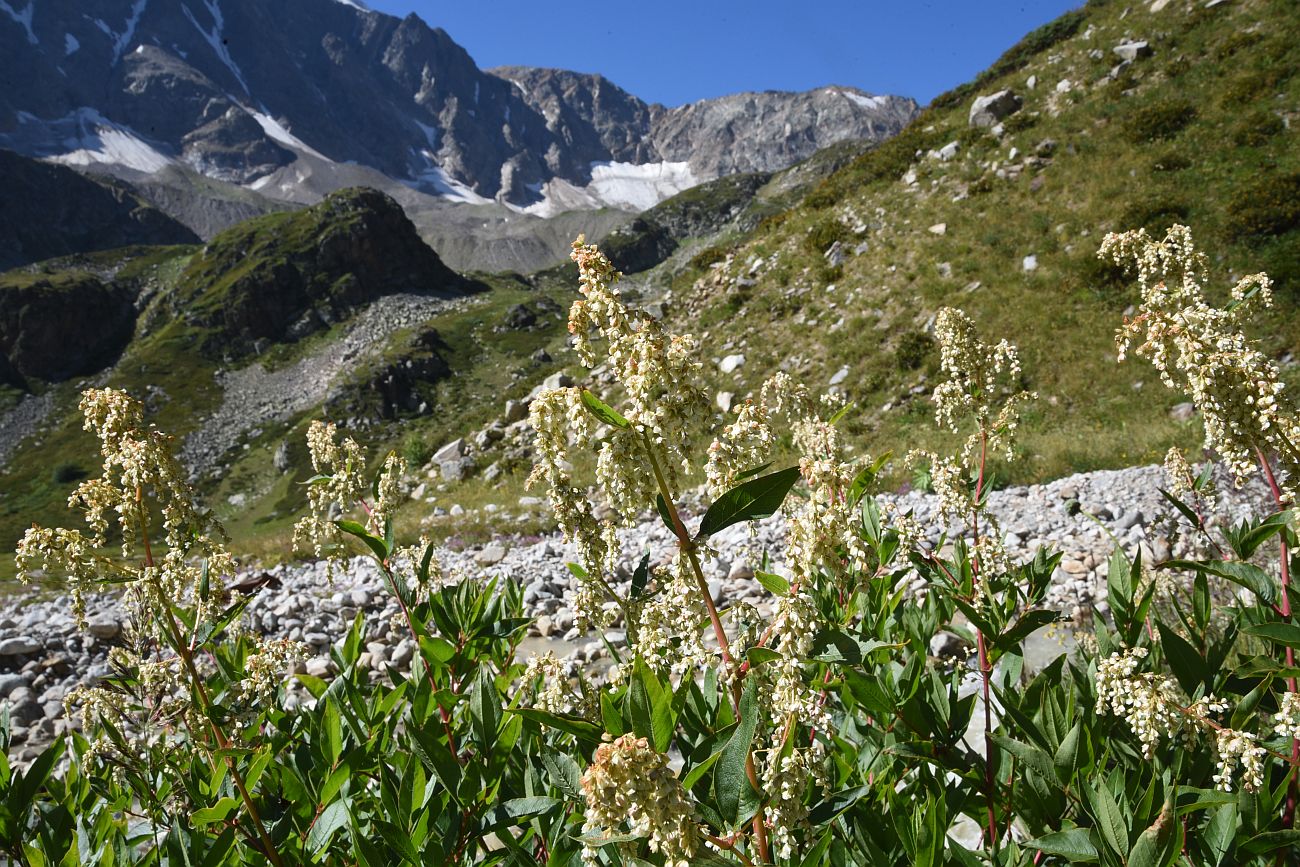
x=293, y=98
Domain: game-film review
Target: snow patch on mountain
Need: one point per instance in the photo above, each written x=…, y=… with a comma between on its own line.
x=277, y=131
x=639, y=186
x=24, y=18
x=215, y=38
x=88, y=138
x=355, y=4
x=627, y=186
x=446, y=186
x=70, y=44
x=121, y=40
x=868, y=102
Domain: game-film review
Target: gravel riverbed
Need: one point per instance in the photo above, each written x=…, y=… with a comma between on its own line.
x=44, y=655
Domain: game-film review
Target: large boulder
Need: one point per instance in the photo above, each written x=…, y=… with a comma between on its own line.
x=986, y=111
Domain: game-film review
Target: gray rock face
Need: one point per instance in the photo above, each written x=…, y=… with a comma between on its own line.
x=242, y=89
x=988, y=110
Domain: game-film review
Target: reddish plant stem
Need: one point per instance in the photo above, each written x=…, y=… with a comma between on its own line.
x=186, y=653
x=1284, y=557
x=687, y=545
x=986, y=669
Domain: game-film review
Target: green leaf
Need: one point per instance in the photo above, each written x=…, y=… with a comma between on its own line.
x=640, y=578
x=1073, y=845
x=1186, y=664
x=1253, y=578
x=515, y=811
x=650, y=707
x=576, y=726
x=1186, y=510
x=216, y=813
x=1219, y=832
x=332, y=818
x=665, y=514
x=759, y=655
x=1034, y=758
x=1029, y=623
x=757, y=498
x=485, y=709
x=1067, y=754
x=694, y=774
x=564, y=772
x=1287, y=634
x=735, y=794
x=603, y=411
x=372, y=541
x=775, y=584
x=1110, y=821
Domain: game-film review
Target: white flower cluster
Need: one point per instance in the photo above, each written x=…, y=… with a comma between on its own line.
x=1153, y=709
x=1182, y=478
x=137, y=464
x=669, y=636
x=629, y=789
x=983, y=385
x=1288, y=716
x=177, y=562
x=554, y=690
x=1202, y=349
x=1235, y=749
x=339, y=487
x=660, y=376
x=1149, y=703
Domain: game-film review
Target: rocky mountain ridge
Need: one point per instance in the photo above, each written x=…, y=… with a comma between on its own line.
x=243, y=90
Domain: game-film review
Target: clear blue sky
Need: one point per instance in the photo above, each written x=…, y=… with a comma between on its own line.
x=674, y=51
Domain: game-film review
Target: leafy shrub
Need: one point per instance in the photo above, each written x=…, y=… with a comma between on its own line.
x=67, y=472
x=1171, y=160
x=824, y=233
x=708, y=257
x=1160, y=118
x=1255, y=128
x=1155, y=210
x=417, y=449
x=1267, y=207
x=912, y=350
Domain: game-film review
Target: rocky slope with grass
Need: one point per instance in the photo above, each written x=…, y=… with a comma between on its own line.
x=996, y=199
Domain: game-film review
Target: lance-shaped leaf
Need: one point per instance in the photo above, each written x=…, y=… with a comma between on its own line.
x=754, y=499
x=603, y=411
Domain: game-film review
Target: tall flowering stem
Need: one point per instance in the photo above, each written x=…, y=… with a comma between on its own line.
x=981, y=384
x=1203, y=350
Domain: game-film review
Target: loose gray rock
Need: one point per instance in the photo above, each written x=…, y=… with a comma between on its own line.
x=19, y=646
x=1132, y=51
x=988, y=110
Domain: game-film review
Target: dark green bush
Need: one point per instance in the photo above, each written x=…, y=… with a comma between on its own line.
x=417, y=449
x=1159, y=119
x=1154, y=211
x=1270, y=206
x=1255, y=128
x=68, y=472
x=825, y=233
x=708, y=257
x=1171, y=160
x=913, y=348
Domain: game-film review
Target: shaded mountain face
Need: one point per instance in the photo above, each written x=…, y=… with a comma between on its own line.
x=48, y=210
x=242, y=90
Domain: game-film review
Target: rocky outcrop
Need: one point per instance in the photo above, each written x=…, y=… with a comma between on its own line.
x=54, y=327
x=50, y=211
x=285, y=276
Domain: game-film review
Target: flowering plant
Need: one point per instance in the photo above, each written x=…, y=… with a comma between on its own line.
x=817, y=722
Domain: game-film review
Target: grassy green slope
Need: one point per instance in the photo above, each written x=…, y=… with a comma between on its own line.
x=1199, y=132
